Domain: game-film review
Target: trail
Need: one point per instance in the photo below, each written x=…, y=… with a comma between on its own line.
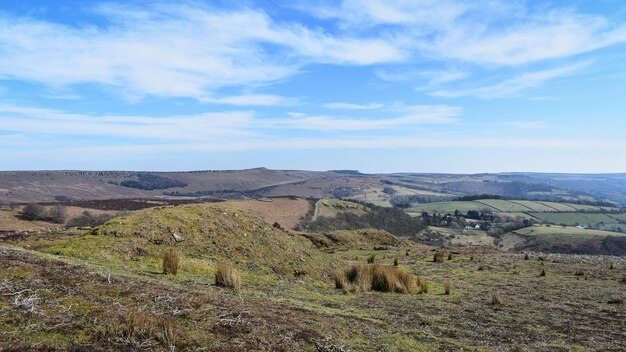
x=316, y=213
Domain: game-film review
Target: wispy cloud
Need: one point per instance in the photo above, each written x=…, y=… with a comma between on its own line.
x=175, y=50
x=352, y=106
x=407, y=116
x=515, y=85
x=529, y=124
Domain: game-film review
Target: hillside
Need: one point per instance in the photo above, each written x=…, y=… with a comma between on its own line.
x=380, y=189
x=105, y=290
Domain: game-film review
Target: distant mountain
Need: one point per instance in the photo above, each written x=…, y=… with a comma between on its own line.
x=381, y=189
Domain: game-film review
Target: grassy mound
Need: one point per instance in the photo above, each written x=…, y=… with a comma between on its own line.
x=204, y=234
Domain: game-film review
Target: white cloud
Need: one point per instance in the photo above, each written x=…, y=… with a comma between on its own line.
x=176, y=128
x=482, y=32
x=408, y=116
x=526, y=124
x=174, y=50
x=515, y=85
x=352, y=106
x=251, y=100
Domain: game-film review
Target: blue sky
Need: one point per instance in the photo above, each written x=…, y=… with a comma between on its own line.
x=379, y=86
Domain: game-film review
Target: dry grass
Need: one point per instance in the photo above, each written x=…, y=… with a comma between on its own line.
x=450, y=256
x=371, y=259
x=171, y=261
x=136, y=328
x=526, y=256
x=423, y=287
x=395, y=262
x=497, y=300
x=227, y=276
x=374, y=277
x=447, y=287
x=543, y=272
x=439, y=257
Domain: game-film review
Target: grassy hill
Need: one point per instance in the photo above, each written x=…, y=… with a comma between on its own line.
x=207, y=235
x=94, y=292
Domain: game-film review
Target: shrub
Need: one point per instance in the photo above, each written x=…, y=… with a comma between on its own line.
x=89, y=219
x=450, y=256
x=227, y=275
x=395, y=262
x=496, y=299
x=33, y=212
x=374, y=277
x=526, y=256
x=447, y=287
x=439, y=257
x=171, y=261
x=371, y=259
x=57, y=214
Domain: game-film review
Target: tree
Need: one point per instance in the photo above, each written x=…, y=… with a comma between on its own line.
x=33, y=212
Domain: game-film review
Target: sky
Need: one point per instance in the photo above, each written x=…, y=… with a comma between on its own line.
x=371, y=85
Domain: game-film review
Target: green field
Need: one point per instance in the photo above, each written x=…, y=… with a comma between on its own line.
x=572, y=219
x=502, y=206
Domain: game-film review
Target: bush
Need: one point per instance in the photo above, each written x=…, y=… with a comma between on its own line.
x=33, y=212
x=171, y=261
x=57, y=214
x=374, y=277
x=227, y=276
x=89, y=219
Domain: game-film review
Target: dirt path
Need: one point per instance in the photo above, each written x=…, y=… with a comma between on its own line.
x=316, y=213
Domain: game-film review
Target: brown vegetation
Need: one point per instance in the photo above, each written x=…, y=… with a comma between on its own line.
x=439, y=257
x=137, y=328
x=374, y=277
x=227, y=275
x=171, y=261
x=371, y=259
x=395, y=262
x=447, y=287
x=496, y=299
x=543, y=272
x=423, y=286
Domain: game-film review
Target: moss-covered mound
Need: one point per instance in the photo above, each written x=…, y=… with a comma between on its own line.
x=204, y=234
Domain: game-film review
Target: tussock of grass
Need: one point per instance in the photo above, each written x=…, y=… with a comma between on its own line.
x=423, y=287
x=543, y=272
x=526, y=256
x=371, y=259
x=447, y=287
x=395, y=262
x=137, y=328
x=497, y=300
x=171, y=261
x=227, y=276
x=374, y=277
x=439, y=257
